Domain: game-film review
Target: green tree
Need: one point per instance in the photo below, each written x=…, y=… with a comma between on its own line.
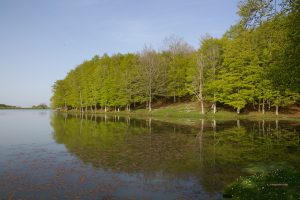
x=152, y=75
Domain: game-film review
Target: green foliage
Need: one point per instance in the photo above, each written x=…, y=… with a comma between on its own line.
x=263, y=185
x=40, y=106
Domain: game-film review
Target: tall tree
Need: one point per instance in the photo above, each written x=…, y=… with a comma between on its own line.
x=211, y=49
x=195, y=84
x=177, y=54
x=152, y=75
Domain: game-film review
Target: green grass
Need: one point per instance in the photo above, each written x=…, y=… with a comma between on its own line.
x=192, y=111
x=261, y=185
x=189, y=113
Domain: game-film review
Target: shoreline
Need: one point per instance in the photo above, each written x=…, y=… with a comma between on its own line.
x=189, y=118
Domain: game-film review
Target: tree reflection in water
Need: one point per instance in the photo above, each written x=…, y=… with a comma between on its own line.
x=214, y=153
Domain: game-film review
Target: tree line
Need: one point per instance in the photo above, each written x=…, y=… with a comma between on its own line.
x=254, y=64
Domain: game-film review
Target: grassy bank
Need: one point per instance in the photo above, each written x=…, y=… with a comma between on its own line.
x=189, y=113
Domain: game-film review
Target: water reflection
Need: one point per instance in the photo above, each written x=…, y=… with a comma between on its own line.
x=213, y=153
x=113, y=157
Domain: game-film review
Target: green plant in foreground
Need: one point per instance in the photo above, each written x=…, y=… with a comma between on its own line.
x=275, y=184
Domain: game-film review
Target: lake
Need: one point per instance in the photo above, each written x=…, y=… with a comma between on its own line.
x=47, y=155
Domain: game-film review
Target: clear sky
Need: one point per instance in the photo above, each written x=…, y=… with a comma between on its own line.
x=41, y=40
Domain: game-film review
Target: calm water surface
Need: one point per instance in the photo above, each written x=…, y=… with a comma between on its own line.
x=45, y=155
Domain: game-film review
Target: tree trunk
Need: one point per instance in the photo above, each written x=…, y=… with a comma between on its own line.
x=150, y=94
x=215, y=104
x=202, y=107
x=201, y=82
x=80, y=102
x=238, y=111
x=263, y=106
x=276, y=109
x=202, y=103
x=215, y=107
x=150, y=109
x=174, y=98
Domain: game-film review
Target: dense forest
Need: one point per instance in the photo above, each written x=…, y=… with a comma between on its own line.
x=254, y=64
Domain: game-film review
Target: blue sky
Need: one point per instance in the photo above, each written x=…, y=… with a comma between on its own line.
x=41, y=40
